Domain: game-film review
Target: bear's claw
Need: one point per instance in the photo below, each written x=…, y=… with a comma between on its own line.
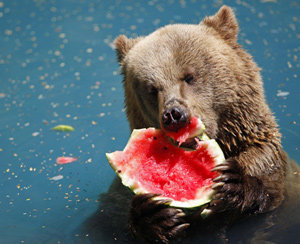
x=152, y=221
x=228, y=186
x=236, y=190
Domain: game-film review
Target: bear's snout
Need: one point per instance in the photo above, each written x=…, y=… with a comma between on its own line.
x=174, y=119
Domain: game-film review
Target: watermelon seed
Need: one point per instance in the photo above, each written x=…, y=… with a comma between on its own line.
x=165, y=148
x=155, y=138
x=119, y=171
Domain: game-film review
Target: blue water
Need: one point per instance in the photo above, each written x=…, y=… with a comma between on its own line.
x=57, y=66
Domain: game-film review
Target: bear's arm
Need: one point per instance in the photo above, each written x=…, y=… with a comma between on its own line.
x=253, y=181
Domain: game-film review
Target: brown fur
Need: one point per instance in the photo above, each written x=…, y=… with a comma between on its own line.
x=226, y=92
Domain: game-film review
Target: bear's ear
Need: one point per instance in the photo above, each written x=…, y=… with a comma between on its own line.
x=225, y=23
x=123, y=45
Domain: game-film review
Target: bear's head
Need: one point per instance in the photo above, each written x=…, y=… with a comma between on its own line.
x=181, y=70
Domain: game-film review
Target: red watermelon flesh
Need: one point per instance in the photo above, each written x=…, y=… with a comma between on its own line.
x=194, y=128
x=151, y=164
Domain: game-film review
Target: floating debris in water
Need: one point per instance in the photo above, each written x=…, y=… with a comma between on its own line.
x=65, y=160
x=58, y=177
x=63, y=128
x=35, y=133
x=268, y=1
x=282, y=94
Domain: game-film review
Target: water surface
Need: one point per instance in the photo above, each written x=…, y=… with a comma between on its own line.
x=57, y=66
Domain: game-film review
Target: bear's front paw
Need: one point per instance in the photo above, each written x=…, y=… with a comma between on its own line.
x=236, y=190
x=229, y=186
x=152, y=221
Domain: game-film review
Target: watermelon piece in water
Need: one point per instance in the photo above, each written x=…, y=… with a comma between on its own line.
x=65, y=160
x=63, y=128
x=150, y=163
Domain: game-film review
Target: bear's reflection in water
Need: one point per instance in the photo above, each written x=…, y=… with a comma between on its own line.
x=109, y=224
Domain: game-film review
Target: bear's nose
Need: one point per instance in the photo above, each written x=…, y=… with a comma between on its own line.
x=174, y=119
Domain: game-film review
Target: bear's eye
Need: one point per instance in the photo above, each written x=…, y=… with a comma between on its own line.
x=152, y=90
x=188, y=78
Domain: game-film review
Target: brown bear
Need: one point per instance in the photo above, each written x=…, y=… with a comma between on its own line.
x=180, y=71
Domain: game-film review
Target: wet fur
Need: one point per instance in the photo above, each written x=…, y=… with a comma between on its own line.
x=227, y=94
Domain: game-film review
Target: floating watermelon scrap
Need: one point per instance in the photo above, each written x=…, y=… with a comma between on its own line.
x=65, y=160
x=63, y=128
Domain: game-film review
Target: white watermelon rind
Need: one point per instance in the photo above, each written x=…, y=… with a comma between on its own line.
x=204, y=194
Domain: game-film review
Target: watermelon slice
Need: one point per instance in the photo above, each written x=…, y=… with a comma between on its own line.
x=150, y=163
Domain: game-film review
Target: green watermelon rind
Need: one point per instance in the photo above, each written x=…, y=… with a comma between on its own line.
x=204, y=194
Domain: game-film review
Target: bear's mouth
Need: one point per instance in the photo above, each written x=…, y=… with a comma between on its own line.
x=188, y=136
x=189, y=144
